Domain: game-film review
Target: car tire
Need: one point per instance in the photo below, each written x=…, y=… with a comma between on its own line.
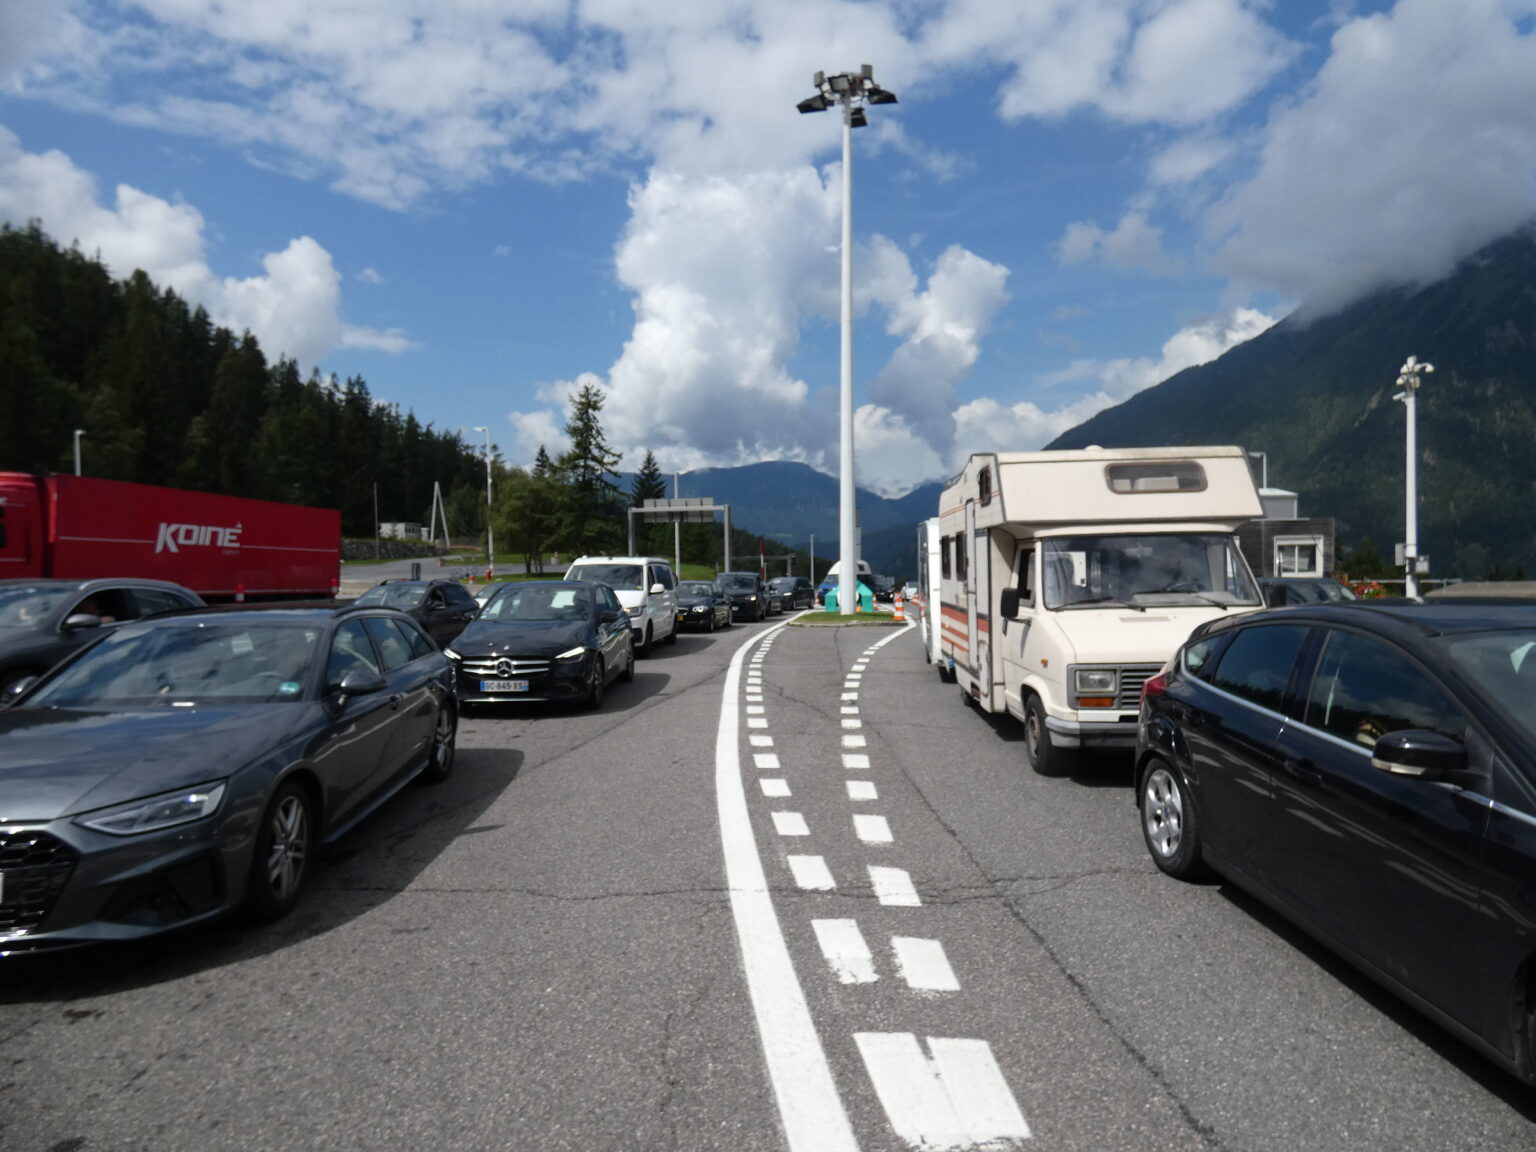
x=1168, y=821
x=710, y=624
x=597, y=684
x=628, y=673
x=671, y=637
x=644, y=649
x=285, y=839
x=1045, y=758
x=445, y=733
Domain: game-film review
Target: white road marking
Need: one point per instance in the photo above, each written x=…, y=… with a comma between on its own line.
x=790, y=824
x=893, y=887
x=958, y=1100
x=755, y=709
x=810, y=1108
x=756, y=722
x=847, y=723
x=850, y=710
x=923, y=965
x=843, y=946
x=853, y=741
x=811, y=873
x=872, y=829
x=772, y=786
x=761, y=741
x=862, y=790
x=765, y=759
x=850, y=695
x=855, y=760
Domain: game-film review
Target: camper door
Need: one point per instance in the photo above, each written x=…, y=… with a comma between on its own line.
x=1014, y=632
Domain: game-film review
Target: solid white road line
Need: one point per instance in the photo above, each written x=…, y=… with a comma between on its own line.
x=872, y=829
x=958, y=1100
x=811, y=873
x=862, y=790
x=765, y=759
x=811, y=1110
x=772, y=786
x=853, y=741
x=843, y=946
x=855, y=760
x=790, y=824
x=893, y=887
x=923, y=965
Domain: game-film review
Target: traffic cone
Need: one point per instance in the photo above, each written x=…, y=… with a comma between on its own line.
x=900, y=614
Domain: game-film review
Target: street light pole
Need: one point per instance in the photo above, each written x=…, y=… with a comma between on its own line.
x=1408, y=380
x=677, y=527
x=849, y=91
x=490, y=539
x=79, y=432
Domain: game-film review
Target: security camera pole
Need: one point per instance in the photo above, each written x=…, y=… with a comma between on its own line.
x=850, y=90
x=1408, y=381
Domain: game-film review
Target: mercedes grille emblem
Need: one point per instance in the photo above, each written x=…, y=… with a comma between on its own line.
x=503, y=668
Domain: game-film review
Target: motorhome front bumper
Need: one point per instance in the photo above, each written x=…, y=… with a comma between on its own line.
x=1119, y=733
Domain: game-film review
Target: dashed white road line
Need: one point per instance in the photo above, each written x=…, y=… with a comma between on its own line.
x=843, y=946
x=849, y=710
x=862, y=790
x=923, y=964
x=790, y=824
x=810, y=1108
x=765, y=759
x=855, y=760
x=756, y=722
x=850, y=695
x=849, y=722
x=774, y=787
x=872, y=829
x=893, y=887
x=761, y=741
x=850, y=741
x=811, y=873
x=957, y=1100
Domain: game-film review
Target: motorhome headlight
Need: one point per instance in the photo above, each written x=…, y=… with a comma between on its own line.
x=1095, y=681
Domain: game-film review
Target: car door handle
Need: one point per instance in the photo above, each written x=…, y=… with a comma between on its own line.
x=394, y=702
x=1302, y=769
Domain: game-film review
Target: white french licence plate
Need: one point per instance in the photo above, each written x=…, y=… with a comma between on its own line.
x=503, y=685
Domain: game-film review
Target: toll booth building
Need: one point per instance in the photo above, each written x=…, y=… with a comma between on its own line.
x=1285, y=543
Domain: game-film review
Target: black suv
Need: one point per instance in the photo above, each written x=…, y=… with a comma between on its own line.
x=746, y=592
x=443, y=607
x=796, y=591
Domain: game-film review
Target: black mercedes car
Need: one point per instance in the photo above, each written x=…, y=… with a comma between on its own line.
x=43, y=621
x=1368, y=768
x=443, y=607
x=184, y=766
x=545, y=640
x=747, y=594
x=702, y=605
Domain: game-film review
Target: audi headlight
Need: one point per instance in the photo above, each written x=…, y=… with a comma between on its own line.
x=1096, y=681
x=573, y=654
x=156, y=812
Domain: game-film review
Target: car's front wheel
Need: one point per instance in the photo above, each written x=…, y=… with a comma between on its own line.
x=597, y=683
x=444, y=735
x=1168, y=822
x=628, y=673
x=280, y=862
x=644, y=648
x=1045, y=758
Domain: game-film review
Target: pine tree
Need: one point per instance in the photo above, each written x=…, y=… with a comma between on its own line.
x=649, y=484
x=592, y=506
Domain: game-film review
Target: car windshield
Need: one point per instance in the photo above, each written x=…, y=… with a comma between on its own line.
x=782, y=583
x=695, y=588
x=1503, y=666
x=738, y=583
x=393, y=596
x=23, y=605
x=1136, y=571
x=619, y=577
x=222, y=661
x=539, y=602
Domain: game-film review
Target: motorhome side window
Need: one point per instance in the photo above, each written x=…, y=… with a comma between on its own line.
x=1156, y=476
x=960, y=565
x=984, y=486
x=1026, y=577
x=946, y=569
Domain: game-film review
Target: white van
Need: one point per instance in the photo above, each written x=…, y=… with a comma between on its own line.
x=1068, y=578
x=645, y=587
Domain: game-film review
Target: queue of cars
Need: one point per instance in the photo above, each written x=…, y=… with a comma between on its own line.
x=163, y=763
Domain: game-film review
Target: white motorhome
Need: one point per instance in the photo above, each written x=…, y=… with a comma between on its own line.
x=1068, y=578
x=924, y=603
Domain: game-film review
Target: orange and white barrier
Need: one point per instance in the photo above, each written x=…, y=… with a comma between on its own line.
x=900, y=612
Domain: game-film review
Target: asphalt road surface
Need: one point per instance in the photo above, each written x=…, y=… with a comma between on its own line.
x=785, y=891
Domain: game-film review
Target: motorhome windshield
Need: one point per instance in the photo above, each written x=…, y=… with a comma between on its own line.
x=1145, y=571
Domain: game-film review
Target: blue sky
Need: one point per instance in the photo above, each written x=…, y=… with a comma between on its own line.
x=478, y=206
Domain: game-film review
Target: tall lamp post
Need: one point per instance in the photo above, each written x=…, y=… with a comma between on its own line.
x=1408, y=381
x=850, y=91
x=79, y=432
x=490, y=539
x=677, y=527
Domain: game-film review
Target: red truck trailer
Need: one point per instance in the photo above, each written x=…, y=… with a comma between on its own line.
x=79, y=527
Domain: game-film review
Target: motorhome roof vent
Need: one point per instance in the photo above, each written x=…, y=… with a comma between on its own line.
x=1156, y=476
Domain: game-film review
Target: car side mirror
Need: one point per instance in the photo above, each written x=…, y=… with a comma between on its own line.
x=360, y=682
x=1009, y=603
x=81, y=620
x=657, y=588
x=610, y=615
x=1421, y=753
x=16, y=691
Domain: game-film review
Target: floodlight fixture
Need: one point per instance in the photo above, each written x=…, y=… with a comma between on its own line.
x=857, y=119
x=816, y=103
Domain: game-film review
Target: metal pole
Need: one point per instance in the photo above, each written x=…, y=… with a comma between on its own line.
x=375, y=519
x=677, y=527
x=490, y=537
x=1411, y=544
x=813, y=561
x=847, y=583
x=727, y=567
x=79, y=432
